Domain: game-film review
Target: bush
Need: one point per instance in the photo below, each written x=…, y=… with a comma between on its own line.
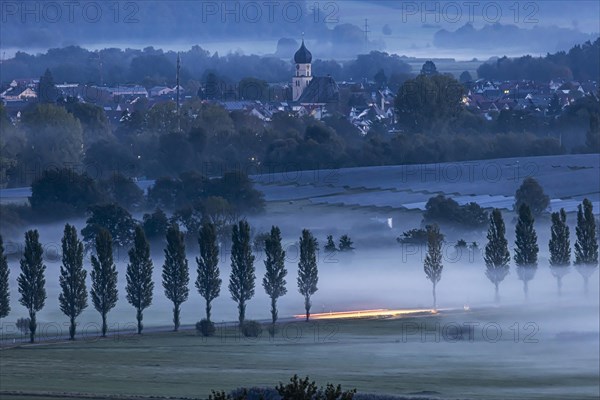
x=445, y=209
x=346, y=243
x=23, y=325
x=415, y=236
x=251, y=329
x=64, y=193
x=155, y=224
x=461, y=244
x=206, y=328
x=531, y=194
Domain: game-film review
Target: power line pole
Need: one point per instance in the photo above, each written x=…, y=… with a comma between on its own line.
x=178, y=113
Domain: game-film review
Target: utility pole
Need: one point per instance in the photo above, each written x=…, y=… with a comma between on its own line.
x=178, y=113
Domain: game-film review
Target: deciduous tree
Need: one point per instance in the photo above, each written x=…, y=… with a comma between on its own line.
x=496, y=256
x=586, y=246
x=242, y=278
x=73, y=296
x=140, y=285
x=308, y=273
x=31, y=280
x=433, y=260
x=560, y=247
x=104, y=277
x=526, y=251
x=208, y=282
x=4, y=289
x=274, y=280
x=531, y=194
x=175, y=275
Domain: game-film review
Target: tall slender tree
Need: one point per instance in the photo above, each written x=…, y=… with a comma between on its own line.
x=104, y=277
x=308, y=273
x=433, y=260
x=176, y=275
x=4, y=289
x=586, y=246
x=140, y=286
x=560, y=247
x=31, y=280
x=208, y=282
x=496, y=255
x=274, y=280
x=527, y=249
x=243, y=277
x=73, y=296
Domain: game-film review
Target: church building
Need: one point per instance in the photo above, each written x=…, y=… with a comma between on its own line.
x=308, y=89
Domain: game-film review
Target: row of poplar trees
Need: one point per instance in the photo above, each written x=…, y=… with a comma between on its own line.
x=497, y=255
x=73, y=298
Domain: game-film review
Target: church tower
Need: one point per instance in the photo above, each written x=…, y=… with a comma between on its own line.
x=303, y=76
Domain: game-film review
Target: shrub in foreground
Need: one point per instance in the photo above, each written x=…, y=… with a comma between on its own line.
x=206, y=328
x=251, y=329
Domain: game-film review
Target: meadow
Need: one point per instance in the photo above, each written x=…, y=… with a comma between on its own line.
x=491, y=353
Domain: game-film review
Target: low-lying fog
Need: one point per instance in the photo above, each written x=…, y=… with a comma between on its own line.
x=379, y=274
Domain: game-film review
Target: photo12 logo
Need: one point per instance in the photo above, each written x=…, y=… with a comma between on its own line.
x=270, y=11
x=27, y=12
x=461, y=12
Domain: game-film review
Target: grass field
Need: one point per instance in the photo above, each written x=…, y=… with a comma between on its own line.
x=396, y=356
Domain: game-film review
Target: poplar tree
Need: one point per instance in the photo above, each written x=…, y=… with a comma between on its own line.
x=175, y=275
x=140, y=286
x=31, y=280
x=208, y=282
x=4, y=289
x=242, y=278
x=274, y=280
x=73, y=296
x=433, y=260
x=104, y=277
x=308, y=274
x=497, y=256
x=586, y=246
x=560, y=247
x=526, y=250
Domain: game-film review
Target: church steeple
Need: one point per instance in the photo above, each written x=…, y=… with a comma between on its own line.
x=303, y=56
x=303, y=76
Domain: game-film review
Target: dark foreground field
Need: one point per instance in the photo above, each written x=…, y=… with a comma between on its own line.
x=454, y=355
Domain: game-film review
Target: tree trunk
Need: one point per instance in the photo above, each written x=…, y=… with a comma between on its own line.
x=526, y=289
x=32, y=326
x=72, y=329
x=208, y=307
x=559, y=284
x=273, y=310
x=242, y=312
x=307, y=307
x=497, y=293
x=104, y=325
x=140, y=317
x=585, y=285
x=176, y=317
x=434, y=298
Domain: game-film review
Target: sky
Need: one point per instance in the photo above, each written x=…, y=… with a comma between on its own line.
x=433, y=29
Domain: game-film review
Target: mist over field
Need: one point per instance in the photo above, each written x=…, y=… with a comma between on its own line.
x=380, y=273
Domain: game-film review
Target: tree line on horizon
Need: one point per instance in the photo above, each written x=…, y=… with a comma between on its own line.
x=242, y=281
x=432, y=124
